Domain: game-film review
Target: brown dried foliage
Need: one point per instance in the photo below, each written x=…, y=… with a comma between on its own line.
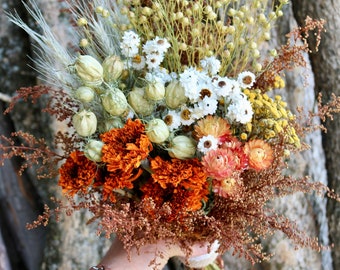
x=324, y=111
x=32, y=151
x=35, y=152
x=59, y=103
x=291, y=55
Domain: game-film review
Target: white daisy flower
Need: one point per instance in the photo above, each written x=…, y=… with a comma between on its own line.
x=209, y=105
x=130, y=44
x=207, y=143
x=240, y=111
x=173, y=120
x=162, y=44
x=189, y=80
x=206, y=89
x=222, y=86
x=186, y=116
x=198, y=111
x=153, y=61
x=211, y=65
x=246, y=79
x=156, y=46
x=234, y=87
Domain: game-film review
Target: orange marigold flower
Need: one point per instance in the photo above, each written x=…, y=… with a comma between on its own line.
x=77, y=173
x=184, y=181
x=212, y=125
x=124, y=149
x=260, y=154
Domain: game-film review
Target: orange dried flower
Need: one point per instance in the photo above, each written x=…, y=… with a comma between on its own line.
x=230, y=187
x=77, y=173
x=184, y=182
x=124, y=149
x=260, y=154
x=212, y=125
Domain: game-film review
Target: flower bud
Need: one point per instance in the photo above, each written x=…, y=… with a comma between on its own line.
x=155, y=91
x=175, y=95
x=85, y=94
x=182, y=147
x=110, y=123
x=89, y=70
x=157, y=131
x=114, y=102
x=85, y=123
x=113, y=67
x=93, y=150
x=138, y=103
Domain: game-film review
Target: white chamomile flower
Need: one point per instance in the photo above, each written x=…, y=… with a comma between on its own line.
x=130, y=44
x=234, y=87
x=150, y=47
x=173, y=120
x=222, y=86
x=209, y=105
x=186, y=116
x=153, y=61
x=207, y=143
x=240, y=111
x=198, y=111
x=162, y=44
x=156, y=46
x=206, y=89
x=189, y=80
x=211, y=65
x=246, y=79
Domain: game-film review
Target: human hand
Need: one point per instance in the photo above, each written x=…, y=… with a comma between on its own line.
x=155, y=256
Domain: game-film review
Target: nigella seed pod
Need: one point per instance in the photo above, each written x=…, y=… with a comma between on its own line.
x=157, y=131
x=139, y=103
x=114, y=102
x=89, y=70
x=93, y=150
x=85, y=123
x=175, y=95
x=113, y=67
x=155, y=91
x=182, y=147
x=85, y=94
x=110, y=123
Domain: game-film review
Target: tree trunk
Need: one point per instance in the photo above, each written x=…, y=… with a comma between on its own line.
x=326, y=65
x=19, y=202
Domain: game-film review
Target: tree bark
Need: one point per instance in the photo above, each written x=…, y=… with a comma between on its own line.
x=19, y=202
x=326, y=68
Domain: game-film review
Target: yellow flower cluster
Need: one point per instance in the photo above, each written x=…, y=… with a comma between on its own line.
x=271, y=118
x=231, y=30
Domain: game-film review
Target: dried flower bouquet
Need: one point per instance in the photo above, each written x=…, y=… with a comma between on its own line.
x=173, y=129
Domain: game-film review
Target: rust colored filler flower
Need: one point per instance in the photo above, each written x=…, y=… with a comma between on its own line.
x=123, y=151
x=77, y=173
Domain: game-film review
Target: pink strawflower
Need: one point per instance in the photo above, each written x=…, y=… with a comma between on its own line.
x=220, y=163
